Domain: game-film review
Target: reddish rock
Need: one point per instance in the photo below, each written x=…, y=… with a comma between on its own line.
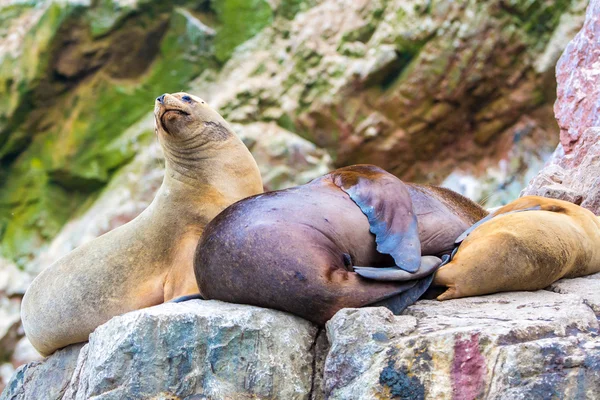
x=573, y=173
x=578, y=75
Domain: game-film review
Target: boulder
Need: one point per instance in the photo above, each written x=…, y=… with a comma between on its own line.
x=527, y=345
x=518, y=345
x=573, y=173
x=578, y=92
x=196, y=349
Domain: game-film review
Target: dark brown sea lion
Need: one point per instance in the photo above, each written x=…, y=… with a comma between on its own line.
x=299, y=249
x=149, y=260
x=515, y=250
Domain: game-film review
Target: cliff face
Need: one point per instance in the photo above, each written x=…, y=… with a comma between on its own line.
x=458, y=93
x=573, y=173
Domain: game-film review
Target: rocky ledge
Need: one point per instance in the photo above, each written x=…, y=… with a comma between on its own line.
x=522, y=345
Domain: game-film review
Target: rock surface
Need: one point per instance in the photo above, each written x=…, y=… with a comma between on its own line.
x=573, y=173
x=538, y=345
x=196, y=349
x=521, y=345
x=578, y=93
x=423, y=89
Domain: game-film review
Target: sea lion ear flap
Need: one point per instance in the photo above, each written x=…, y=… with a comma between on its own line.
x=385, y=201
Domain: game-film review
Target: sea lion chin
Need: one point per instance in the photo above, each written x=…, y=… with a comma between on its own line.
x=148, y=260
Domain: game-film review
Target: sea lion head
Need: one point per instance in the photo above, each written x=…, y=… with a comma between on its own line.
x=182, y=117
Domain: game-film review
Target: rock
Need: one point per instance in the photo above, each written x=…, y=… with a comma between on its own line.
x=573, y=173
x=47, y=379
x=506, y=346
x=196, y=349
x=519, y=345
x=386, y=82
x=410, y=86
x=64, y=134
x=283, y=158
x=10, y=323
x=578, y=77
x=573, y=177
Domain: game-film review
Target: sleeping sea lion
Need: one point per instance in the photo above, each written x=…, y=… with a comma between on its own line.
x=304, y=249
x=525, y=245
x=149, y=260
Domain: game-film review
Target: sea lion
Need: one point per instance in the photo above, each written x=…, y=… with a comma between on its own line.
x=303, y=249
x=149, y=260
x=525, y=245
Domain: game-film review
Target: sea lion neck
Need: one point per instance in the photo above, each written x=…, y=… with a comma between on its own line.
x=208, y=171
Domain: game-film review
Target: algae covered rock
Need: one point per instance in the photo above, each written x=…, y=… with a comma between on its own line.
x=84, y=94
x=420, y=88
x=454, y=92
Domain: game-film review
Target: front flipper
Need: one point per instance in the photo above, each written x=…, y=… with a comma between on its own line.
x=399, y=302
x=429, y=264
x=181, y=299
x=386, y=202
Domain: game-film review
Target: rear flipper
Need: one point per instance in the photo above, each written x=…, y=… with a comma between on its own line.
x=399, y=302
x=429, y=264
x=181, y=299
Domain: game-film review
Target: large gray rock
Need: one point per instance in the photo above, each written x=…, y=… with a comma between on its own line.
x=47, y=379
x=196, y=349
x=527, y=345
x=521, y=345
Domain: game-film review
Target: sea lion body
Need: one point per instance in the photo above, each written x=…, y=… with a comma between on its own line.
x=150, y=259
x=527, y=250
x=296, y=249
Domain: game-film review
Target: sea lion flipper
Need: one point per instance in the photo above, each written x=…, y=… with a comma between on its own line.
x=181, y=299
x=429, y=264
x=497, y=213
x=401, y=301
x=386, y=202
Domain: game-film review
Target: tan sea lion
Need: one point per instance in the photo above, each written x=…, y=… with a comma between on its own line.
x=513, y=250
x=351, y=238
x=149, y=260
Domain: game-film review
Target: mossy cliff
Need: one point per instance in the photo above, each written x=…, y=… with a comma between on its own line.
x=77, y=79
x=430, y=90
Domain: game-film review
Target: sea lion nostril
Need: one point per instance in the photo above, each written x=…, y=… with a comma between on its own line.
x=161, y=98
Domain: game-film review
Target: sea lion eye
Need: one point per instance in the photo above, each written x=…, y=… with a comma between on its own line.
x=187, y=99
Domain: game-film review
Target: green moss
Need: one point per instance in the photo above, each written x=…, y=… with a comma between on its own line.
x=537, y=18
x=17, y=74
x=78, y=155
x=240, y=20
x=289, y=8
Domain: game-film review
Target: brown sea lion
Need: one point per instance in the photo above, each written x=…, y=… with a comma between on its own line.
x=148, y=260
x=304, y=249
x=513, y=250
